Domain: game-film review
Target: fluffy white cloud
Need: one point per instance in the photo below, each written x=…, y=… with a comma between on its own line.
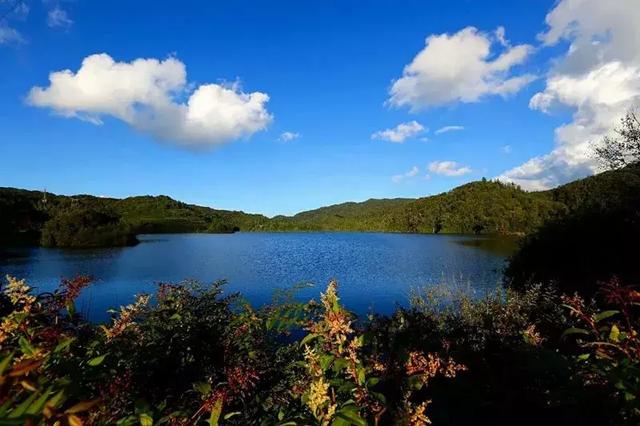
x=448, y=168
x=58, y=18
x=400, y=133
x=598, y=78
x=289, y=136
x=413, y=172
x=460, y=68
x=147, y=93
x=447, y=129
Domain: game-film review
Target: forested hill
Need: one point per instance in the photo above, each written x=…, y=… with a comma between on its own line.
x=57, y=220
x=477, y=207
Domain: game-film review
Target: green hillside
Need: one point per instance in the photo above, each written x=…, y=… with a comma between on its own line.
x=380, y=215
x=481, y=207
x=32, y=216
x=477, y=207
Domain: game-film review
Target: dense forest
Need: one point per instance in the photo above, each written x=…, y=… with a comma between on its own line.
x=482, y=207
x=56, y=220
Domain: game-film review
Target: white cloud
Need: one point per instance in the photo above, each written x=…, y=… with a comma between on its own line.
x=289, y=136
x=400, y=133
x=460, y=68
x=500, y=34
x=598, y=78
x=413, y=172
x=448, y=168
x=16, y=11
x=506, y=149
x=147, y=93
x=58, y=18
x=9, y=34
x=446, y=129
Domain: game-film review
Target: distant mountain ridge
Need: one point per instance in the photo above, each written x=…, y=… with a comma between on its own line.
x=481, y=207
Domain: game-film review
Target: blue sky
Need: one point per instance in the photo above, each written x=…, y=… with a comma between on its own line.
x=328, y=68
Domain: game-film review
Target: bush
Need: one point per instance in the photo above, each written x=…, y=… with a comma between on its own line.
x=577, y=252
x=610, y=344
x=191, y=354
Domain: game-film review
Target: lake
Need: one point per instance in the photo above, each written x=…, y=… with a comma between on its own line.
x=375, y=271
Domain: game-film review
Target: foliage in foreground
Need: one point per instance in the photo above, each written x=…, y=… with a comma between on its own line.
x=193, y=355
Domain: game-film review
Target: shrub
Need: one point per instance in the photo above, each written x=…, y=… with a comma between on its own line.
x=191, y=354
x=610, y=344
x=576, y=252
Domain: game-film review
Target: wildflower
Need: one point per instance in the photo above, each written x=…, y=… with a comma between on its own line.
x=18, y=293
x=532, y=336
x=431, y=365
x=126, y=319
x=241, y=379
x=417, y=416
x=7, y=328
x=71, y=288
x=313, y=361
x=319, y=402
x=330, y=297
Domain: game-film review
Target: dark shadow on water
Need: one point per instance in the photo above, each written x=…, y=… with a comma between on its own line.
x=502, y=245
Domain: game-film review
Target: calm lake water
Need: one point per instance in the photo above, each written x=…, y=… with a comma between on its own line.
x=374, y=271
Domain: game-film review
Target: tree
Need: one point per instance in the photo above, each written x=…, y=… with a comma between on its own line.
x=623, y=148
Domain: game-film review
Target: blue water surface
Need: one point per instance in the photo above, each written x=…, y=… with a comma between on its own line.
x=375, y=271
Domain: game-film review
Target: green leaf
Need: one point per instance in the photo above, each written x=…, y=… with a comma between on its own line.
x=37, y=407
x=605, y=315
x=416, y=382
x=203, y=388
x=215, y=413
x=614, y=334
x=25, y=346
x=81, y=406
x=350, y=415
x=339, y=365
x=228, y=416
x=372, y=381
x=325, y=361
x=269, y=324
x=361, y=375
x=71, y=308
x=21, y=409
x=309, y=337
x=574, y=330
x=12, y=422
x=5, y=363
x=64, y=344
x=145, y=419
x=94, y=362
x=584, y=357
x=56, y=400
